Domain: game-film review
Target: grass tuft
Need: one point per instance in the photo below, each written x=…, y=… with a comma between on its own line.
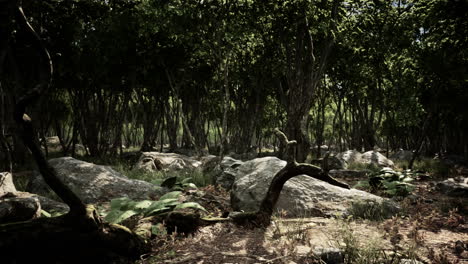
x=373, y=211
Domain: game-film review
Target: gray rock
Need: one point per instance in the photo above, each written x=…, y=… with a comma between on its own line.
x=376, y=158
x=37, y=185
x=15, y=209
x=225, y=172
x=334, y=163
x=369, y=157
x=47, y=204
x=329, y=255
x=209, y=163
x=349, y=156
x=96, y=183
x=452, y=188
x=301, y=195
x=50, y=205
x=53, y=144
x=402, y=155
x=354, y=174
x=6, y=183
x=154, y=161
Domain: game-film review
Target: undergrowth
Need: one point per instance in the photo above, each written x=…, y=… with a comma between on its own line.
x=373, y=211
x=436, y=168
x=373, y=249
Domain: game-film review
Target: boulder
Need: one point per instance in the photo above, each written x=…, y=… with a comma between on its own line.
x=53, y=144
x=96, y=183
x=453, y=188
x=370, y=157
x=155, y=161
x=16, y=209
x=376, y=158
x=334, y=163
x=209, y=163
x=349, y=156
x=404, y=155
x=352, y=174
x=225, y=172
x=50, y=205
x=6, y=183
x=301, y=195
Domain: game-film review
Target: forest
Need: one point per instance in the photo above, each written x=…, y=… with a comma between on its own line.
x=242, y=131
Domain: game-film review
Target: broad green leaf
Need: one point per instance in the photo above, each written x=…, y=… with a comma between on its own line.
x=157, y=181
x=156, y=211
x=169, y=202
x=45, y=213
x=186, y=180
x=191, y=186
x=160, y=206
x=120, y=203
x=192, y=205
x=117, y=216
x=408, y=179
x=171, y=195
x=142, y=204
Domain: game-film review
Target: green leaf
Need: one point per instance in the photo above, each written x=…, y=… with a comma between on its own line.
x=121, y=203
x=169, y=202
x=45, y=213
x=160, y=206
x=117, y=216
x=171, y=195
x=142, y=204
x=408, y=179
x=190, y=186
x=192, y=205
x=157, y=182
x=186, y=180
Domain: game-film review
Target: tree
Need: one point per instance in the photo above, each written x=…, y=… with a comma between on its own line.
x=80, y=229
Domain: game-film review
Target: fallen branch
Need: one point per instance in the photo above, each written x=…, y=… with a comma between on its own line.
x=262, y=217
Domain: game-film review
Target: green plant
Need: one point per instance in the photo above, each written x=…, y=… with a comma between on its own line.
x=197, y=177
x=124, y=208
x=434, y=167
x=176, y=184
x=393, y=183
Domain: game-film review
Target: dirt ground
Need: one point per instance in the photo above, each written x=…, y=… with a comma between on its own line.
x=434, y=230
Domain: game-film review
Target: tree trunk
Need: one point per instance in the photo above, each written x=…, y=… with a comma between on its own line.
x=79, y=236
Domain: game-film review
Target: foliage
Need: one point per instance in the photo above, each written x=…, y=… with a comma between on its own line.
x=149, y=75
x=393, y=183
x=372, y=250
x=123, y=208
x=436, y=168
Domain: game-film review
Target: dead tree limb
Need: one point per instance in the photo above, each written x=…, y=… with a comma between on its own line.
x=263, y=216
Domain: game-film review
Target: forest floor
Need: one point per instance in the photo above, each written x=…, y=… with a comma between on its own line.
x=426, y=231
